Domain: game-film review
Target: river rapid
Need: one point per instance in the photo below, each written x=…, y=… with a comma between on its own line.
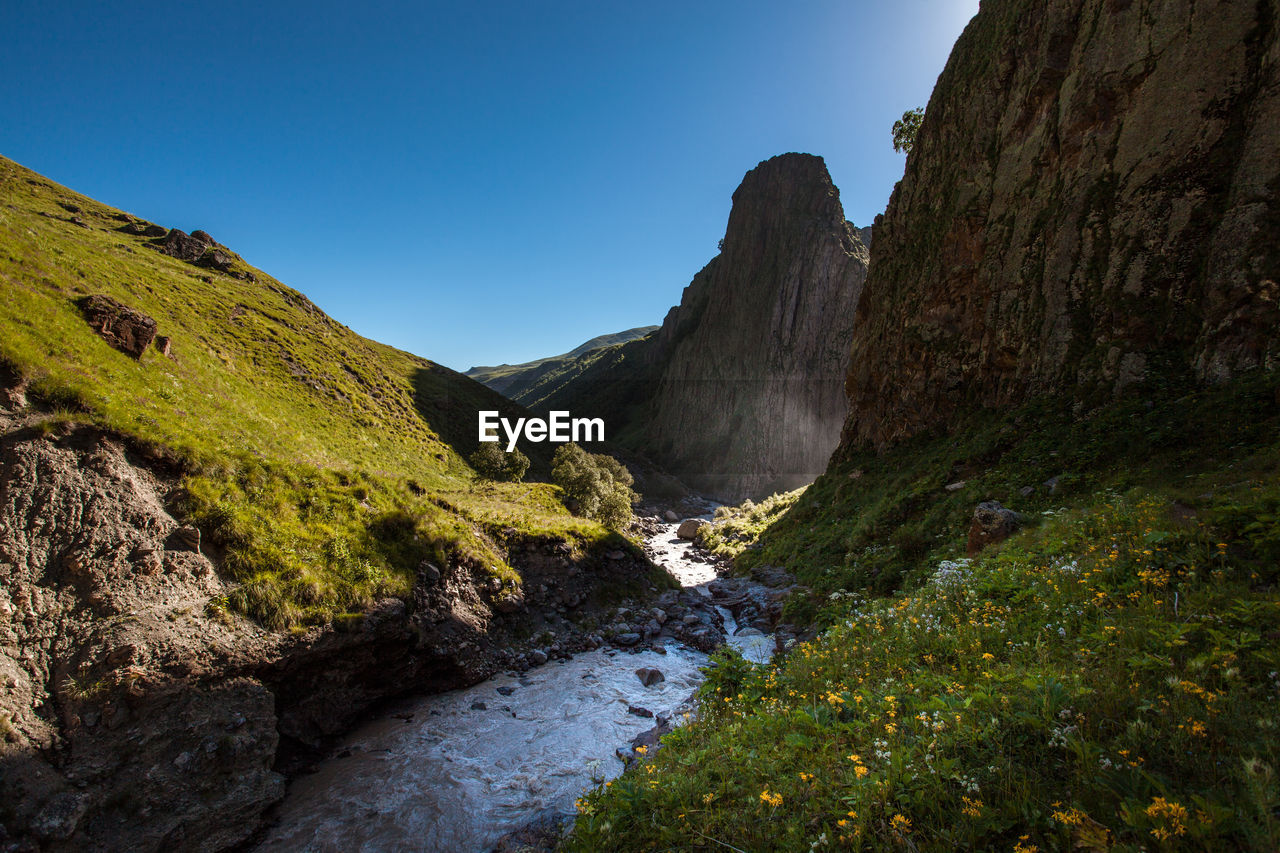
x=458, y=770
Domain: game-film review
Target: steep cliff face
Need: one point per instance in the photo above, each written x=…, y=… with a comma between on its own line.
x=750, y=398
x=1091, y=202
x=740, y=393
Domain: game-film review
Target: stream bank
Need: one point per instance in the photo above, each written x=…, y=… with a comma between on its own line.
x=460, y=771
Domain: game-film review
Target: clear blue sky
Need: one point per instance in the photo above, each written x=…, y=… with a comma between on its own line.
x=474, y=182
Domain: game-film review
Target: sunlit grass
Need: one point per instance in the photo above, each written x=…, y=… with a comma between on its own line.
x=1106, y=681
x=325, y=466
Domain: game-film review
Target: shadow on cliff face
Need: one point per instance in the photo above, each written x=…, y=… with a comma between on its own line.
x=450, y=404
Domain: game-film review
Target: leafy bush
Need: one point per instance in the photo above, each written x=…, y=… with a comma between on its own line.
x=595, y=485
x=906, y=128
x=493, y=463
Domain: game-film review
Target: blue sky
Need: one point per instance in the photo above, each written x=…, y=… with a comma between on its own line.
x=474, y=182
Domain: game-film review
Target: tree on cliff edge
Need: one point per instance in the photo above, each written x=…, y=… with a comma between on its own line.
x=906, y=128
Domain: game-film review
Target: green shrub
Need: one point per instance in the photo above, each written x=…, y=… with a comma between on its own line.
x=493, y=463
x=595, y=485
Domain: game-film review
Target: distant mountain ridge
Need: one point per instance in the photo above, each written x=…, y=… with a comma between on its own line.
x=520, y=382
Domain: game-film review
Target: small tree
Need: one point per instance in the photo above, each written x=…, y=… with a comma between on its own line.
x=906, y=128
x=493, y=463
x=595, y=485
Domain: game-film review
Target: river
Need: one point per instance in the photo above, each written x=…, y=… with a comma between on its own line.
x=457, y=771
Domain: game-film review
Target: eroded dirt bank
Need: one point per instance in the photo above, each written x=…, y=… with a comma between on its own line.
x=135, y=716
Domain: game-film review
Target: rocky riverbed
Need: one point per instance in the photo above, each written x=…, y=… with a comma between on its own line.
x=464, y=769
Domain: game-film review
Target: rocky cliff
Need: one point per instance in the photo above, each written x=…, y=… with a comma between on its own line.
x=740, y=393
x=1091, y=204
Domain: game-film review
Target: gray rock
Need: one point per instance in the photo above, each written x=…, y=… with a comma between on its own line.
x=991, y=523
x=689, y=528
x=124, y=328
x=58, y=819
x=649, y=676
x=628, y=639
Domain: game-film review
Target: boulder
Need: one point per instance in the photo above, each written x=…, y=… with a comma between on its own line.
x=216, y=259
x=126, y=329
x=181, y=245
x=670, y=515
x=689, y=528
x=649, y=676
x=991, y=523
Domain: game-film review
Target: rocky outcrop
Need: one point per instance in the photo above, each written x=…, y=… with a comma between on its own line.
x=183, y=246
x=750, y=399
x=1091, y=203
x=124, y=328
x=126, y=711
x=740, y=393
x=992, y=523
x=196, y=248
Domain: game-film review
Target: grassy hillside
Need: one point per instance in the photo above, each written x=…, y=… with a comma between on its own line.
x=1105, y=679
x=532, y=381
x=325, y=463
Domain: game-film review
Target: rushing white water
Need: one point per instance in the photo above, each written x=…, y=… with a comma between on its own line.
x=456, y=779
x=753, y=644
x=668, y=551
x=442, y=773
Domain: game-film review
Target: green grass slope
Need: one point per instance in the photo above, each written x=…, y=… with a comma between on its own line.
x=324, y=463
x=526, y=383
x=1106, y=679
